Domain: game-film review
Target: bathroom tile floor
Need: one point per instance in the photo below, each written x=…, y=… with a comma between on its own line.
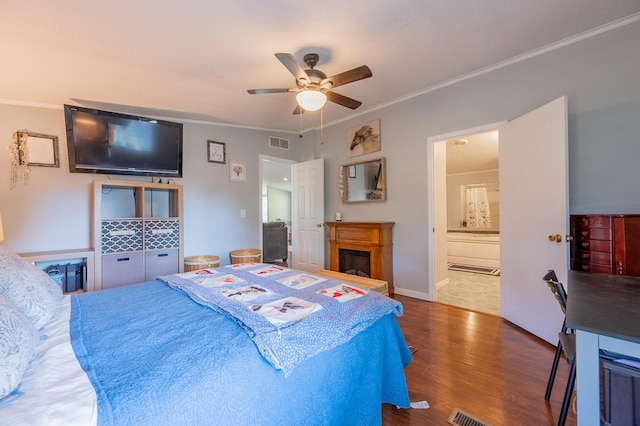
x=478, y=292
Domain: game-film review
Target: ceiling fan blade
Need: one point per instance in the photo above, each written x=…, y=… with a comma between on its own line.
x=342, y=100
x=350, y=76
x=263, y=91
x=290, y=63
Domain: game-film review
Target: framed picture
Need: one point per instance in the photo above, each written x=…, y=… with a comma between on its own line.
x=352, y=171
x=216, y=152
x=363, y=139
x=237, y=171
x=42, y=150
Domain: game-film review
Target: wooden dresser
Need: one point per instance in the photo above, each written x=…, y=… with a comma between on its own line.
x=606, y=243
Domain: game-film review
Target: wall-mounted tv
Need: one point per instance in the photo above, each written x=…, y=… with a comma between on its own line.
x=113, y=143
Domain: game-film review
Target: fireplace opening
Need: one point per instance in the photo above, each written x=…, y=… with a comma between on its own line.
x=355, y=262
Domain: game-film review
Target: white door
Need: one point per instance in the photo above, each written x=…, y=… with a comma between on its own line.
x=307, y=202
x=533, y=206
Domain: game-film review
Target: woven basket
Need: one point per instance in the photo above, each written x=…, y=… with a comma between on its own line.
x=245, y=255
x=193, y=263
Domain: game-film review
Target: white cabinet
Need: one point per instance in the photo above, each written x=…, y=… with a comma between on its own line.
x=137, y=231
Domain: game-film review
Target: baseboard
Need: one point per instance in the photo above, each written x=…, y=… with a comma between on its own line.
x=412, y=293
x=442, y=283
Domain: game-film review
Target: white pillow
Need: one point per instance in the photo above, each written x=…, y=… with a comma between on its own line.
x=18, y=342
x=28, y=287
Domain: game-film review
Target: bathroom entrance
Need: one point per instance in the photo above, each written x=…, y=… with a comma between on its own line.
x=533, y=205
x=471, y=248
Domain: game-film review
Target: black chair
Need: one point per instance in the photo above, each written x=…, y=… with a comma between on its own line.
x=566, y=342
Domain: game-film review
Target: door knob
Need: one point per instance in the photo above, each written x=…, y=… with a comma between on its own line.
x=555, y=238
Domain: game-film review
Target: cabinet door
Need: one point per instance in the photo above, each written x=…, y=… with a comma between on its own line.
x=122, y=269
x=161, y=262
x=627, y=245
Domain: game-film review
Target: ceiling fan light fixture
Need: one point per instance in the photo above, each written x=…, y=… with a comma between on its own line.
x=311, y=100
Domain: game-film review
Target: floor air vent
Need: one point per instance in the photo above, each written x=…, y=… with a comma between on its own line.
x=458, y=418
x=278, y=142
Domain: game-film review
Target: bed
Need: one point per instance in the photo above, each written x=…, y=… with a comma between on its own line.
x=175, y=351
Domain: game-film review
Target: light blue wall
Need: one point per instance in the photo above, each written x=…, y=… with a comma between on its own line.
x=600, y=76
x=53, y=211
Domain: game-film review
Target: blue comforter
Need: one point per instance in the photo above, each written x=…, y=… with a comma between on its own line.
x=155, y=357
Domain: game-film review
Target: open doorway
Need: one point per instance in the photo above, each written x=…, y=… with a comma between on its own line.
x=533, y=205
x=305, y=188
x=275, y=209
x=472, y=211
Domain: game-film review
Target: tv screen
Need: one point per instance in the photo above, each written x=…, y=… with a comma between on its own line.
x=113, y=143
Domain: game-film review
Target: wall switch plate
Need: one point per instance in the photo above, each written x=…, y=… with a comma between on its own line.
x=243, y=213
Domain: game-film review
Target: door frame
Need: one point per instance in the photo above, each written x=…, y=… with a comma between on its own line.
x=431, y=190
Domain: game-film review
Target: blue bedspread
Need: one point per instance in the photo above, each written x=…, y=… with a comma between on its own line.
x=257, y=296
x=157, y=358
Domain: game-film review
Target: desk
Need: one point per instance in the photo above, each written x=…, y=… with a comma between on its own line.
x=604, y=311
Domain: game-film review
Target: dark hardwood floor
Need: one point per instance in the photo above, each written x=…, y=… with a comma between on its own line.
x=479, y=363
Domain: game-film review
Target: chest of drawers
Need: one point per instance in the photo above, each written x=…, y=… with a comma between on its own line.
x=606, y=244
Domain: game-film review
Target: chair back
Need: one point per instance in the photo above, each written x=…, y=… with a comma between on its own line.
x=557, y=289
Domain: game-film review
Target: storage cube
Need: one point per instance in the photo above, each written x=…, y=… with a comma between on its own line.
x=122, y=269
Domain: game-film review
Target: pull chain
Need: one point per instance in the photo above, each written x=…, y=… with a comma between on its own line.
x=321, y=128
x=300, y=121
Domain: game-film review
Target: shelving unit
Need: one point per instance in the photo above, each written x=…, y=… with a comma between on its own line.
x=60, y=256
x=137, y=231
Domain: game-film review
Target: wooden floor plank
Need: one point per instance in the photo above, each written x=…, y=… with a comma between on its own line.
x=479, y=363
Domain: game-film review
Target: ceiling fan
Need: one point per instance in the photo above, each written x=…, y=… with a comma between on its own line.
x=313, y=86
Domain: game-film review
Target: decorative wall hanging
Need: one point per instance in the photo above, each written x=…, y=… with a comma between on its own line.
x=216, y=152
x=32, y=149
x=18, y=154
x=363, y=139
x=341, y=182
x=237, y=171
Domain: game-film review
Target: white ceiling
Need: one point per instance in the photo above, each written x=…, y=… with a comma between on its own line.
x=472, y=153
x=195, y=59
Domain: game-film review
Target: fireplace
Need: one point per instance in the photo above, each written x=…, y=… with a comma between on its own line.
x=355, y=262
x=362, y=248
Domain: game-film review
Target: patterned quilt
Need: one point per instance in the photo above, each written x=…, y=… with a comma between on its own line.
x=289, y=314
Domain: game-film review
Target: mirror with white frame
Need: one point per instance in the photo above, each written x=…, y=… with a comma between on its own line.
x=364, y=181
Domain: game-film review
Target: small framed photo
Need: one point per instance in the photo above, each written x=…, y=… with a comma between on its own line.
x=42, y=150
x=216, y=152
x=352, y=171
x=237, y=171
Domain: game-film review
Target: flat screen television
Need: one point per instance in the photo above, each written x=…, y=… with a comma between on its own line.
x=113, y=143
